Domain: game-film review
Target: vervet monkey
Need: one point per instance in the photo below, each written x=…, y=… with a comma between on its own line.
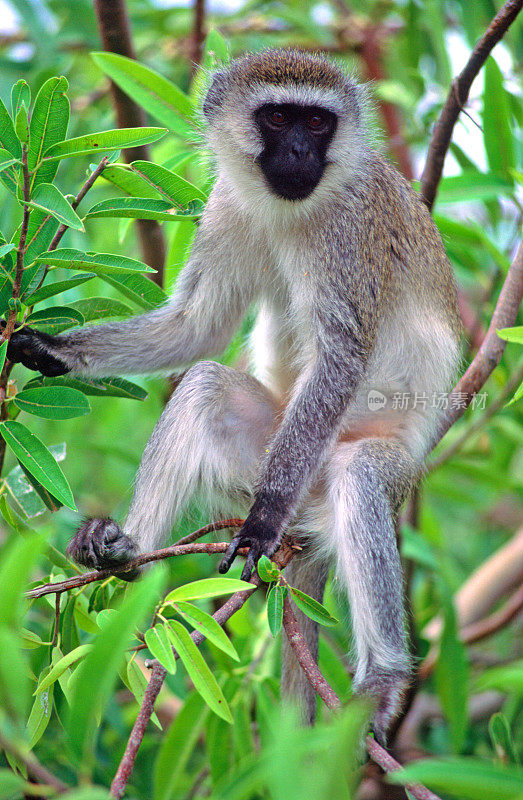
x=356, y=306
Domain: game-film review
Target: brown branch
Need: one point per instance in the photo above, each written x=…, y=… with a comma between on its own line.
x=330, y=698
x=115, y=32
x=491, y=350
x=34, y=769
x=155, y=555
x=222, y=615
x=371, y=55
x=477, y=631
x=198, y=34
x=457, y=97
x=510, y=386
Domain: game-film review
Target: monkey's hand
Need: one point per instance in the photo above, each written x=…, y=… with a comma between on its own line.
x=101, y=543
x=34, y=349
x=260, y=535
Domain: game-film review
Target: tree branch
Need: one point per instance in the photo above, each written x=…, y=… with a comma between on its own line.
x=457, y=97
x=330, y=698
x=491, y=350
x=115, y=32
x=146, y=558
x=34, y=769
x=510, y=386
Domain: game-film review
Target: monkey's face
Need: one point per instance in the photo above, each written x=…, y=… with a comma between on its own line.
x=295, y=143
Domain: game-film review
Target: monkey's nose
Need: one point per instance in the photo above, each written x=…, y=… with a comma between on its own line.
x=300, y=151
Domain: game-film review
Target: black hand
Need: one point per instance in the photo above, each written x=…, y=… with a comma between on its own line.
x=261, y=539
x=33, y=349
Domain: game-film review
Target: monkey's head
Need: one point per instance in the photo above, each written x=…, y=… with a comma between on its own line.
x=285, y=124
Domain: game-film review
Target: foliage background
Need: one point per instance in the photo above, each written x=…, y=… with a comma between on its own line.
x=469, y=507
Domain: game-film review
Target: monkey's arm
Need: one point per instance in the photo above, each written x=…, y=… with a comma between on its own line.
x=308, y=431
x=212, y=294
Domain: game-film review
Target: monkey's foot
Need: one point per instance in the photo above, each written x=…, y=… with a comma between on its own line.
x=387, y=689
x=32, y=348
x=101, y=543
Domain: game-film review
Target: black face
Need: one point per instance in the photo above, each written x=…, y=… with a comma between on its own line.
x=295, y=140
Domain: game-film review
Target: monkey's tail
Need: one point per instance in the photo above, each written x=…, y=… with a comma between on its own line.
x=310, y=576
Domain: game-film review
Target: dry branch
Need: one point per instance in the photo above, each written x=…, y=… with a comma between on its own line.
x=115, y=32
x=457, y=97
x=306, y=661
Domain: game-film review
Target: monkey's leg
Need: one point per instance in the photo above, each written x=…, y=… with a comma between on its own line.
x=309, y=575
x=368, y=482
x=210, y=439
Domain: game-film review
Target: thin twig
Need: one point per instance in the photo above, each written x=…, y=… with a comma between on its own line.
x=477, y=425
x=155, y=555
x=306, y=661
x=34, y=769
x=222, y=615
x=491, y=350
x=76, y=202
x=457, y=97
x=57, y=600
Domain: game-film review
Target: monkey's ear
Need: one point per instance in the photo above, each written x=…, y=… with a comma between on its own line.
x=215, y=93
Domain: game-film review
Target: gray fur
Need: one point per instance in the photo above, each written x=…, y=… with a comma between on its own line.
x=355, y=293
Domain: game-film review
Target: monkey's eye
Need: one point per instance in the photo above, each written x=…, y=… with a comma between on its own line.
x=316, y=122
x=277, y=118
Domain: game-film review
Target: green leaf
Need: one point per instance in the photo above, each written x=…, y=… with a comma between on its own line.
x=55, y=319
x=506, y=679
x=511, y=334
x=161, y=99
x=116, y=139
x=502, y=742
x=8, y=137
x=22, y=125
x=20, y=94
x=7, y=159
x=451, y=674
x=14, y=682
x=16, y=564
x=177, y=747
x=497, y=133
x=49, y=122
x=472, y=186
x=53, y=402
x=207, y=587
x=11, y=785
x=95, y=387
x=129, y=181
x=143, y=208
x=52, y=289
x=207, y=625
x=198, y=671
x=159, y=644
x=138, y=288
x=19, y=484
x=267, y=570
x=5, y=249
x=275, y=599
x=35, y=456
x=68, y=258
x=311, y=608
x=40, y=714
x=168, y=183
x=48, y=198
x=463, y=778
x=96, y=308
x=62, y=665
x=3, y=353
x=97, y=673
